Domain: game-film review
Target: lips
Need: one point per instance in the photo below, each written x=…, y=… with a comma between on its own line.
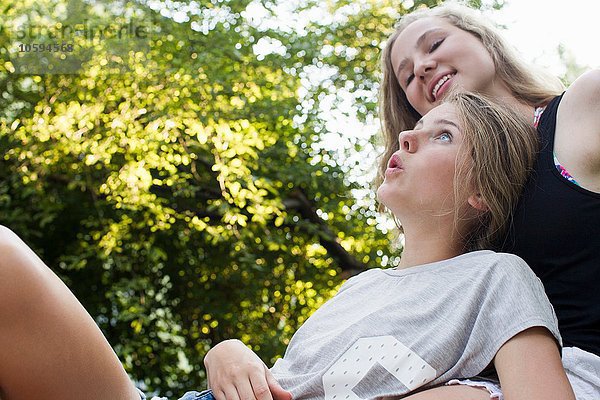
x=437, y=83
x=395, y=162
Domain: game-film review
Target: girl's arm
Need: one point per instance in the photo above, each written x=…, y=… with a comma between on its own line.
x=236, y=373
x=577, y=139
x=529, y=367
x=50, y=347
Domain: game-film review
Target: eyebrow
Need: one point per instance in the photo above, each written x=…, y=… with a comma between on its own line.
x=439, y=122
x=419, y=43
x=446, y=122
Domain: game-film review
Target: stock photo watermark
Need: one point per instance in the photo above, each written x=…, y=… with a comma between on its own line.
x=69, y=47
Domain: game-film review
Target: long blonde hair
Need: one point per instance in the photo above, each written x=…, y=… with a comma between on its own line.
x=499, y=148
x=527, y=84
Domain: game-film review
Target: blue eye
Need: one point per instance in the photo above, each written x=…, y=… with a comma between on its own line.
x=445, y=137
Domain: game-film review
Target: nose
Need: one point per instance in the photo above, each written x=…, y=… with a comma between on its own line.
x=407, y=141
x=424, y=67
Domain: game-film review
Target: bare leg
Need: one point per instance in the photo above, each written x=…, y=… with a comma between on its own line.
x=452, y=393
x=50, y=347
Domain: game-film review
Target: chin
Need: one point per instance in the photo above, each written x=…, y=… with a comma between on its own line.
x=380, y=197
x=384, y=193
x=388, y=199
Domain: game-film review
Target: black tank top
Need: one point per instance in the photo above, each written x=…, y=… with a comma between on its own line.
x=556, y=229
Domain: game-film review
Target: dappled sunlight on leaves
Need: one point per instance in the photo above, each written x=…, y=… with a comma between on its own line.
x=181, y=187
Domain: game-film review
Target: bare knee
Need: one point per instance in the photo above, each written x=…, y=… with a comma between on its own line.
x=18, y=264
x=11, y=247
x=7, y=239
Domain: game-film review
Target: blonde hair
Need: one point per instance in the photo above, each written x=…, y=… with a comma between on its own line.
x=527, y=84
x=499, y=148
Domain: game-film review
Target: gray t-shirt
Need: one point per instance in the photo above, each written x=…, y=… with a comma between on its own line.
x=388, y=332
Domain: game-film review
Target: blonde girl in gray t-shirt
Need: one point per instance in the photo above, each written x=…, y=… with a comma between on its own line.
x=450, y=310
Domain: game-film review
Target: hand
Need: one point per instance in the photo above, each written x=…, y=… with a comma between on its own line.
x=236, y=373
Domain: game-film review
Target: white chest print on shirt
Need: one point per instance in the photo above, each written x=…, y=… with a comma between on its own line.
x=371, y=356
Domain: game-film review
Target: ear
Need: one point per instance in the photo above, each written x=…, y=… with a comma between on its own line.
x=477, y=202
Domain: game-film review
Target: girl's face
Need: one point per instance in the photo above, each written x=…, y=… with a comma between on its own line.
x=431, y=55
x=420, y=175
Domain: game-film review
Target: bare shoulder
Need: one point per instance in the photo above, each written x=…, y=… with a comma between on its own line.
x=577, y=137
x=581, y=103
x=585, y=91
x=589, y=80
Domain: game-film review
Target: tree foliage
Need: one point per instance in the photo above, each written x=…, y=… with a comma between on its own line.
x=180, y=188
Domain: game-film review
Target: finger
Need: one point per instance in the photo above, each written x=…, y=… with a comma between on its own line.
x=245, y=390
x=219, y=394
x=231, y=393
x=275, y=388
x=260, y=386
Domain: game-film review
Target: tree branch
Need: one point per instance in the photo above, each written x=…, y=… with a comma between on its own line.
x=350, y=266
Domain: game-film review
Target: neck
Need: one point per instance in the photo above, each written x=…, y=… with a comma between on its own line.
x=526, y=110
x=424, y=246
